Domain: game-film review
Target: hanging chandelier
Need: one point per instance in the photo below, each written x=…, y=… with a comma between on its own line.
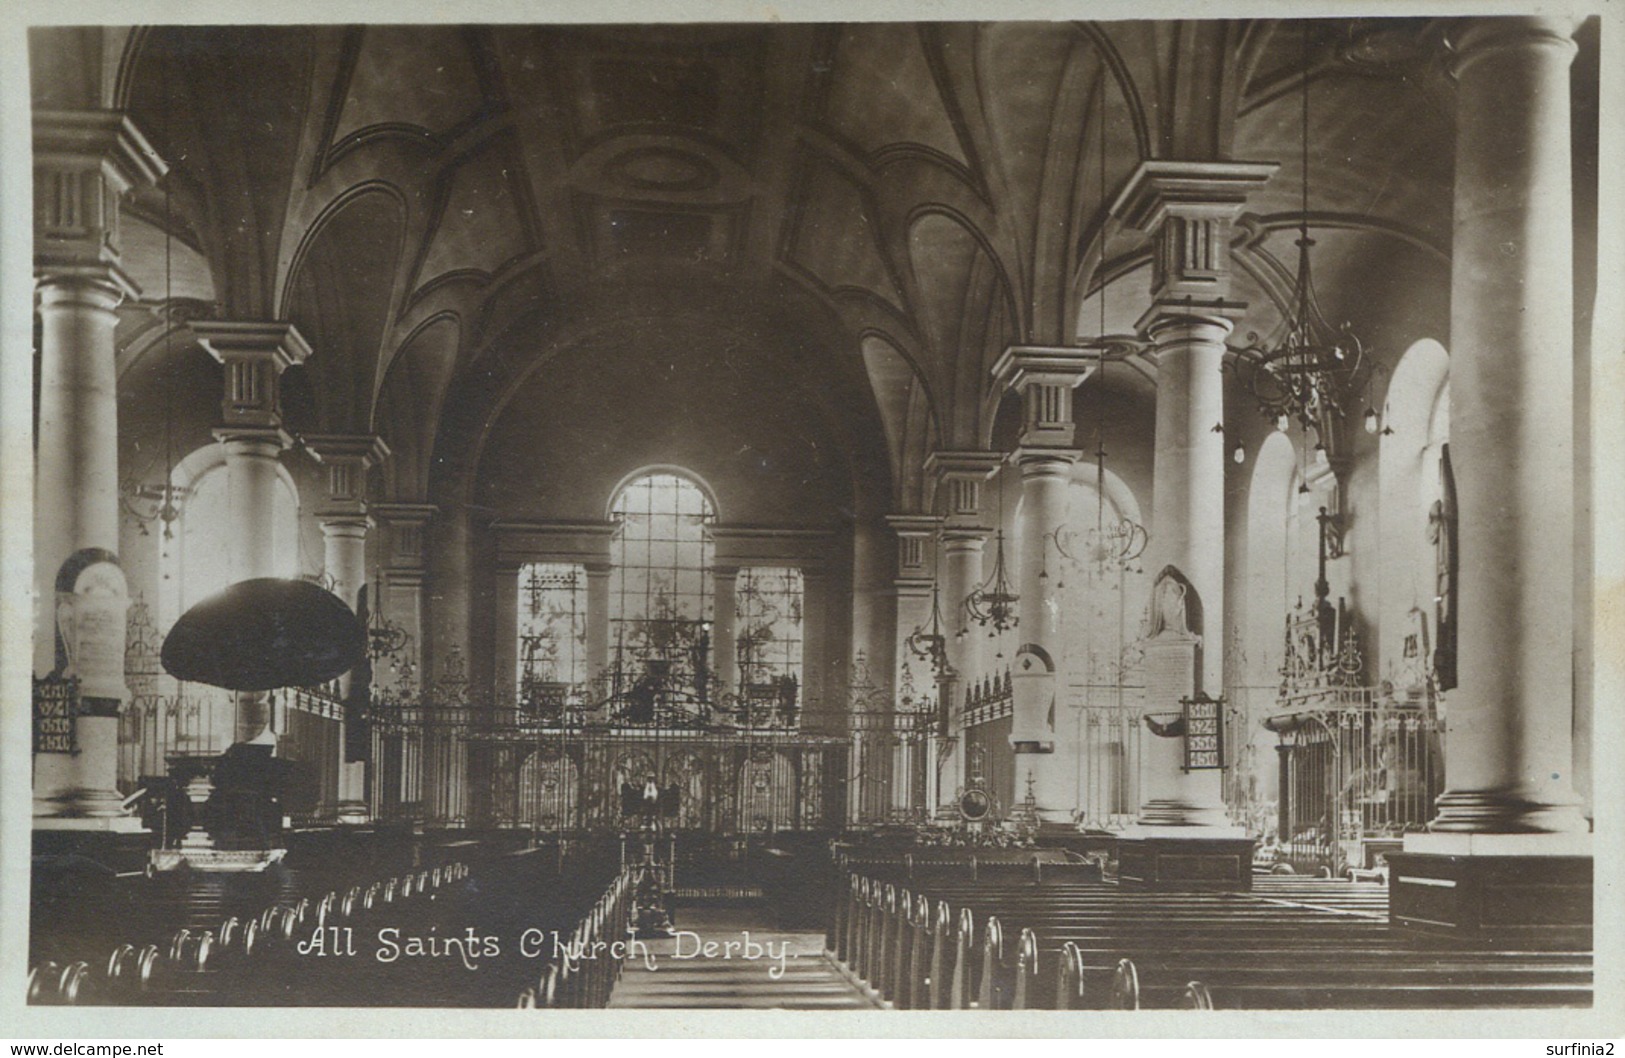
x=148, y=504
x=932, y=646
x=145, y=502
x=1309, y=373
x=387, y=641
x=993, y=602
x=1113, y=547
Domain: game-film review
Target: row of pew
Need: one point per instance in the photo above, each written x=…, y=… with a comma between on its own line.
x=488, y=918
x=236, y=959
x=945, y=942
x=585, y=974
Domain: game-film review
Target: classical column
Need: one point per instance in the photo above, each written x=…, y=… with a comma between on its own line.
x=403, y=579
x=963, y=535
x=911, y=674
x=724, y=647
x=254, y=353
x=345, y=525
x=83, y=162
x=1188, y=207
x=1510, y=810
x=872, y=604
x=1046, y=745
x=1512, y=400
x=403, y=576
x=450, y=580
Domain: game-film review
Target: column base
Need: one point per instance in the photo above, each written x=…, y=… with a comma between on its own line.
x=94, y=824
x=1172, y=815
x=1524, y=890
x=1488, y=813
x=83, y=810
x=1150, y=858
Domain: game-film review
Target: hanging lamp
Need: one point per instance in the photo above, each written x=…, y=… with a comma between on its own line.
x=1307, y=374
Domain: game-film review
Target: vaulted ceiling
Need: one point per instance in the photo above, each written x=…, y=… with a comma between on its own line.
x=455, y=215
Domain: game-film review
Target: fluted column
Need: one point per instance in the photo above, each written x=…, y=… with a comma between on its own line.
x=254, y=353
x=1188, y=208
x=83, y=162
x=345, y=526
x=1045, y=745
x=1510, y=754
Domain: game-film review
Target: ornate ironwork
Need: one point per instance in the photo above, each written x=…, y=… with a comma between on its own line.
x=146, y=504
x=1309, y=372
x=932, y=646
x=994, y=601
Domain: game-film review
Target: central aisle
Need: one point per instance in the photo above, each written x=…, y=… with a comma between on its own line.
x=734, y=958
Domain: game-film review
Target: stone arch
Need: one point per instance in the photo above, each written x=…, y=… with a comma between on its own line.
x=1416, y=429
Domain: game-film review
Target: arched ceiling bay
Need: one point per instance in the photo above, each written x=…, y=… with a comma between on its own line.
x=929, y=192
x=340, y=299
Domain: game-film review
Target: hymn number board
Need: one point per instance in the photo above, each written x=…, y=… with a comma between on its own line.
x=1204, y=732
x=56, y=703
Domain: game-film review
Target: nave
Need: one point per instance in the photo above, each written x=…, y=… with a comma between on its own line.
x=500, y=922
x=895, y=488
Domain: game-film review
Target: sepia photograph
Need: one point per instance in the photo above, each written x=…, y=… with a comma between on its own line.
x=1047, y=515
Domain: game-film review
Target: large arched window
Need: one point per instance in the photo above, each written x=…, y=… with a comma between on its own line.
x=661, y=593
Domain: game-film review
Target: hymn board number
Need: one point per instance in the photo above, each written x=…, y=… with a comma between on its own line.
x=55, y=705
x=1204, y=732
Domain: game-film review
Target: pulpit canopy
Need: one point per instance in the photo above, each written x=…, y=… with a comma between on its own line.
x=265, y=633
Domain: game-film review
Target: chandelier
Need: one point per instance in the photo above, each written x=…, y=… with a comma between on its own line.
x=1115, y=547
x=147, y=504
x=1310, y=371
x=932, y=646
x=993, y=602
x=144, y=502
x=387, y=641
x=1118, y=546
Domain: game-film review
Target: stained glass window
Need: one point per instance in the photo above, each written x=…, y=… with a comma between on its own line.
x=768, y=631
x=552, y=629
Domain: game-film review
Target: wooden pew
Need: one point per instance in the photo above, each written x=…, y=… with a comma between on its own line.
x=1076, y=945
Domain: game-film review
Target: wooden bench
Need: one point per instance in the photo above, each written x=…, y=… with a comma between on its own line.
x=1303, y=943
